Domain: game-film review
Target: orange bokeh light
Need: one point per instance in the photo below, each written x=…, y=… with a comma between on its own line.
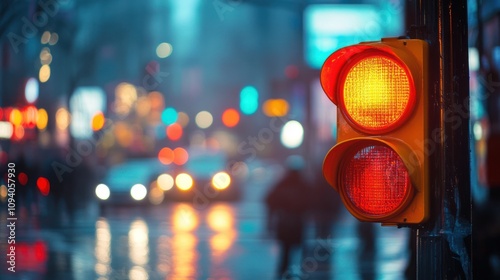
x=16, y=117
x=98, y=121
x=230, y=117
x=18, y=133
x=166, y=156
x=181, y=156
x=174, y=131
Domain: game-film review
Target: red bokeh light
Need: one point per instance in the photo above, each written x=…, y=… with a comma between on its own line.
x=181, y=156
x=166, y=156
x=43, y=185
x=23, y=178
x=174, y=131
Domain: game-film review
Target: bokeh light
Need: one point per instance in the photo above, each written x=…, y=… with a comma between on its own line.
x=45, y=56
x=230, y=117
x=30, y=116
x=182, y=119
x=143, y=106
x=125, y=97
x=249, y=100
x=31, y=90
x=45, y=37
x=42, y=118
x=44, y=73
x=43, y=185
x=157, y=101
x=181, y=156
x=204, y=119
x=138, y=192
x=165, y=182
x=169, y=116
x=275, y=108
x=98, y=121
x=164, y=50
x=18, y=133
x=184, y=181
x=221, y=180
x=6, y=130
x=292, y=134
x=62, y=118
x=23, y=178
x=53, y=39
x=123, y=134
x=220, y=218
x=174, y=131
x=184, y=218
x=156, y=195
x=102, y=191
x=16, y=117
x=166, y=156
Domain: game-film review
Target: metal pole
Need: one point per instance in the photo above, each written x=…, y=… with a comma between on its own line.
x=443, y=249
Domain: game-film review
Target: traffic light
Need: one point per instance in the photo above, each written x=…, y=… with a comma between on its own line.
x=380, y=166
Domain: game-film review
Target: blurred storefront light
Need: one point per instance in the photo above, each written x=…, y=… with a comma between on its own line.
x=85, y=104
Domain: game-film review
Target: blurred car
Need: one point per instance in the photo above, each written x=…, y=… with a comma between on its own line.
x=129, y=182
x=203, y=178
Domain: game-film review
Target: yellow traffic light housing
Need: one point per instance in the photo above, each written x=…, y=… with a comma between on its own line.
x=380, y=166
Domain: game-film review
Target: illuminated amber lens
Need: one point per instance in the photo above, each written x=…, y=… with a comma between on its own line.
x=376, y=180
x=376, y=92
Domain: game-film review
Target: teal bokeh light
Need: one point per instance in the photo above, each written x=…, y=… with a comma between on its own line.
x=249, y=100
x=169, y=116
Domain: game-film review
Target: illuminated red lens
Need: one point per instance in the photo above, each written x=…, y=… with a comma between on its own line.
x=375, y=181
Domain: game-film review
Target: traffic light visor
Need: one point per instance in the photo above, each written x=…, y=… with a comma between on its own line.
x=373, y=88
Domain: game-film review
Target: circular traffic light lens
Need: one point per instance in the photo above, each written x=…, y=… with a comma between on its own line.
x=377, y=92
x=375, y=181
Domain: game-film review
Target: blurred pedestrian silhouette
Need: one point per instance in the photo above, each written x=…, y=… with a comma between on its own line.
x=326, y=206
x=287, y=203
x=366, y=253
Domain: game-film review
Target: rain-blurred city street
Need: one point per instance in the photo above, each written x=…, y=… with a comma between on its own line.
x=169, y=139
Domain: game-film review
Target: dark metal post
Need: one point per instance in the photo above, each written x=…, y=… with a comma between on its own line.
x=443, y=249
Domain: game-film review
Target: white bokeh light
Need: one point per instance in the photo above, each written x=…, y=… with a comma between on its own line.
x=292, y=134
